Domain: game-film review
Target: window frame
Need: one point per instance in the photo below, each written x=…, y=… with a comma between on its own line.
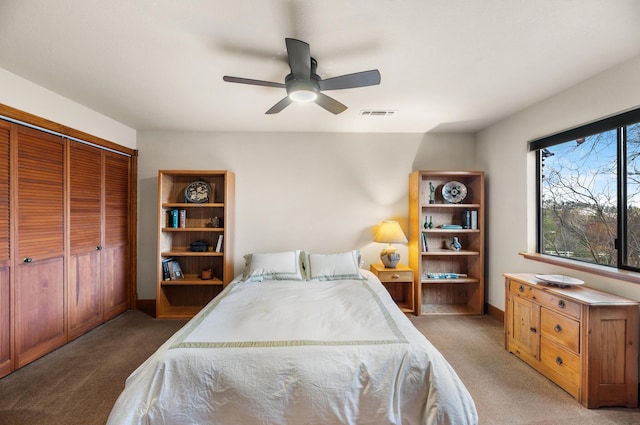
x=615, y=122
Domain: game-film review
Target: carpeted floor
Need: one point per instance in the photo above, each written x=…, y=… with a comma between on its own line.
x=78, y=383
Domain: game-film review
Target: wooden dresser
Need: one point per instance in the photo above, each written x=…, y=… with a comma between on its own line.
x=584, y=340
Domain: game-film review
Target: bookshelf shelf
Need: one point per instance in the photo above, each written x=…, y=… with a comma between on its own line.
x=192, y=229
x=191, y=280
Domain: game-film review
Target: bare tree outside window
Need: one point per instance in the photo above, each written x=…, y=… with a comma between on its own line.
x=589, y=192
x=579, y=199
x=632, y=133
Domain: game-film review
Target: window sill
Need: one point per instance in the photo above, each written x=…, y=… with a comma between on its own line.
x=624, y=275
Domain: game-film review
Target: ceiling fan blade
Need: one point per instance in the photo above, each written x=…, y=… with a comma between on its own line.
x=280, y=106
x=299, y=58
x=330, y=104
x=349, y=81
x=252, y=82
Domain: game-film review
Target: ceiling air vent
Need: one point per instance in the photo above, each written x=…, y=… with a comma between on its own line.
x=377, y=113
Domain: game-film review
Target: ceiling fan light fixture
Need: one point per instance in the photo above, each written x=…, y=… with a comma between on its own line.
x=302, y=91
x=303, y=95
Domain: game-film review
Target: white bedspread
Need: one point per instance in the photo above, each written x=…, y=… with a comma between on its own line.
x=292, y=352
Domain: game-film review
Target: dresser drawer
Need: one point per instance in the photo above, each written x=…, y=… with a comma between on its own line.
x=546, y=299
x=525, y=291
x=560, y=329
x=395, y=276
x=560, y=304
x=561, y=361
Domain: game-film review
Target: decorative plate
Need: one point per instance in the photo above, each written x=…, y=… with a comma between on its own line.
x=559, y=280
x=197, y=192
x=454, y=192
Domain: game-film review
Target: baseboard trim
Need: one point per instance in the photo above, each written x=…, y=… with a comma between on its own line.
x=495, y=312
x=147, y=306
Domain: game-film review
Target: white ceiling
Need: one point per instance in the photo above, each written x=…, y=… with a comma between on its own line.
x=446, y=65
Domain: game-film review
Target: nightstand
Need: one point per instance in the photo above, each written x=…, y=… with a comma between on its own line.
x=399, y=283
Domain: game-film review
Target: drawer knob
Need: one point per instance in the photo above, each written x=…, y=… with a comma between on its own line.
x=561, y=304
x=532, y=329
x=395, y=276
x=27, y=260
x=521, y=288
x=557, y=328
x=559, y=360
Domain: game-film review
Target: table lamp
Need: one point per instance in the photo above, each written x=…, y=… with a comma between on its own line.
x=390, y=232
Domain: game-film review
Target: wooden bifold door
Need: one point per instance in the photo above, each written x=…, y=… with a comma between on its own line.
x=65, y=239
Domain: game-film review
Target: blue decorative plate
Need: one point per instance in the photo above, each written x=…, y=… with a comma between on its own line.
x=454, y=192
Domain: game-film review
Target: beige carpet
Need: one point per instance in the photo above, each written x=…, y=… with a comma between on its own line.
x=78, y=383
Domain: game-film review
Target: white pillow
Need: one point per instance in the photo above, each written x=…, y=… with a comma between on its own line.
x=288, y=265
x=335, y=266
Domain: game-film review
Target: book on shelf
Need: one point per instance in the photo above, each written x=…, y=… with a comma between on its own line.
x=175, y=271
x=451, y=226
x=165, y=268
x=219, y=244
x=446, y=275
x=425, y=246
x=174, y=220
x=474, y=219
x=465, y=219
x=182, y=220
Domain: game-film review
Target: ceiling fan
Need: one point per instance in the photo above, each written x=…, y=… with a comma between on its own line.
x=304, y=85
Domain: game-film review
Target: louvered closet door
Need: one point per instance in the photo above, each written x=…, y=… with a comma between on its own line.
x=5, y=328
x=85, y=238
x=39, y=275
x=115, y=256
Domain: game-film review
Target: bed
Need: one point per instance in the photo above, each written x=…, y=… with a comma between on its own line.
x=285, y=345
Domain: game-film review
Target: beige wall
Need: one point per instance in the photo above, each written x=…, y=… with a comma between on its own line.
x=502, y=153
x=29, y=97
x=322, y=192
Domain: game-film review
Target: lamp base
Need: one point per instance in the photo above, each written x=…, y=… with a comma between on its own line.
x=390, y=257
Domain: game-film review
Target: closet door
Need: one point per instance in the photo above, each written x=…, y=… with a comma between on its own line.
x=39, y=308
x=115, y=255
x=85, y=238
x=5, y=258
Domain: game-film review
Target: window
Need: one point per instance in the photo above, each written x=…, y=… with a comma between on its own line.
x=589, y=192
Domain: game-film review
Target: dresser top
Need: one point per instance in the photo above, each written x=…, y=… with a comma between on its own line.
x=581, y=294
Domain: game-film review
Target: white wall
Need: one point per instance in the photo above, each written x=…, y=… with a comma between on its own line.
x=323, y=192
x=29, y=97
x=510, y=169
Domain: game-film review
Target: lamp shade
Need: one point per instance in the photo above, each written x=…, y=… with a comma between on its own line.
x=390, y=232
